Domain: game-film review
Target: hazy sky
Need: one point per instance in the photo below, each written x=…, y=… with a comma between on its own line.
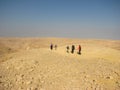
x=60, y=18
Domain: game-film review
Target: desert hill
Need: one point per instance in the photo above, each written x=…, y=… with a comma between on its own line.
x=29, y=64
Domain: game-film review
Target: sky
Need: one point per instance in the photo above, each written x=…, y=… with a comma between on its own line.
x=97, y=19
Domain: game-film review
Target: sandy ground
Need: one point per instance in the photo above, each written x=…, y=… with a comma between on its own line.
x=29, y=64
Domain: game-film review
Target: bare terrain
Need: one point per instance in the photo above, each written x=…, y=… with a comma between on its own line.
x=29, y=64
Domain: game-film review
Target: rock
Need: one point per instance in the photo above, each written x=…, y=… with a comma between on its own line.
x=93, y=80
x=9, y=49
x=22, y=75
x=36, y=89
x=109, y=77
x=22, y=82
x=0, y=82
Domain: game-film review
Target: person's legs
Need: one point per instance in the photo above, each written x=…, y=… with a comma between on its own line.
x=72, y=51
x=79, y=52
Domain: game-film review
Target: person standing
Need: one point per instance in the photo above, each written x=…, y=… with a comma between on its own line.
x=55, y=47
x=73, y=48
x=79, y=49
x=51, y=46
x=67, y=49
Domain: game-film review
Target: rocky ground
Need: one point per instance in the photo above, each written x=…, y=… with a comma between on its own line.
x=97, y=68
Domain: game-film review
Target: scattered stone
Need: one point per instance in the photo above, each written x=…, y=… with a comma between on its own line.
x=117, y=73
x=93, y=80
x=109, y=77
x=117, y=82
x=36, y=89
x=9, y=49
x=0, y=82
x=22, y=82
x=22, y=75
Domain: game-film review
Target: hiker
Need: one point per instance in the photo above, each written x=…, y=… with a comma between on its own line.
x=79, y=49
x=73, y=48
x=51, y=46
x=67, y=49
x=55, y=47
